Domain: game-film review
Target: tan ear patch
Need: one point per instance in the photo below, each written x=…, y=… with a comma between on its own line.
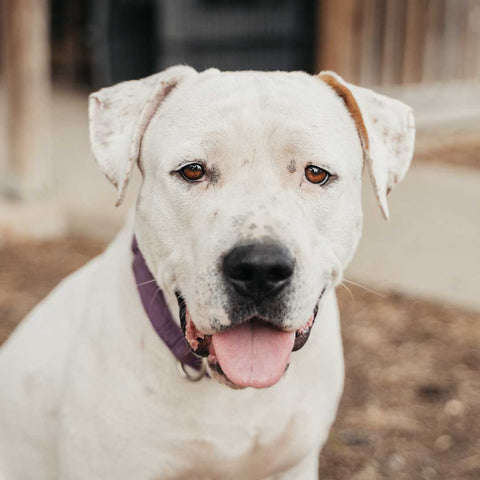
x=346, y=95
x=386, y=128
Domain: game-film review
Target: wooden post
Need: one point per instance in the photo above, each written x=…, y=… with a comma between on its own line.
x=336, y=39
x=372, y=42
x=415, y=35
x=394, y=41
x=27, y=80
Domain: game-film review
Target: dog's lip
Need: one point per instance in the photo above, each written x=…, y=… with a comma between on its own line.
x=201, y=344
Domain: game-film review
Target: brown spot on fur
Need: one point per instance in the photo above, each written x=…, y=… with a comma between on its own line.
x=346, y=95
x=292, y=166
x=214, y=175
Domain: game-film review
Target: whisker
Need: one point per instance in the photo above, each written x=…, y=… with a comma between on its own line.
x=145, y=283
x=348, y=290
x=365, y=288
x=153, y=298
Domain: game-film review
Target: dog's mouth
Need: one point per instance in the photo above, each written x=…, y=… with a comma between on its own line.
x=252, y=354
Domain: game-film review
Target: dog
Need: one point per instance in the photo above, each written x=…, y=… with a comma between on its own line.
x=218, y=354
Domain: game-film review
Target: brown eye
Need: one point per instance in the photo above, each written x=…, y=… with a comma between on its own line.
x=316, y=175
x=192, y=172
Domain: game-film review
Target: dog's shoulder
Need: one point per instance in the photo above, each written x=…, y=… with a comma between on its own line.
x=48, y=331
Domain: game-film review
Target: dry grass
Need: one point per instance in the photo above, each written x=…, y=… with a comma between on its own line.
x=412, y=395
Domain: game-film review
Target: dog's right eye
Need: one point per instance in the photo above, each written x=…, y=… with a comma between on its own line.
x=192, y=172
x=317, y=175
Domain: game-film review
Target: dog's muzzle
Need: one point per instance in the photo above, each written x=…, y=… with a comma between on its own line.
x=254, y=349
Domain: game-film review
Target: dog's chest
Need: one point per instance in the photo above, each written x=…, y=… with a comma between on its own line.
x=235, y=439
x=209, y=431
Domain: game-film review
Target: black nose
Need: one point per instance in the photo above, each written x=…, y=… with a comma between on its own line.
x=258, y=270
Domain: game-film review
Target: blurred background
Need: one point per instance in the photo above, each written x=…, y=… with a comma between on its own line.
x=411, y=298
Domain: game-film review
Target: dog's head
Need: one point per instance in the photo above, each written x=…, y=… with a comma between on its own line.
x=250, y=206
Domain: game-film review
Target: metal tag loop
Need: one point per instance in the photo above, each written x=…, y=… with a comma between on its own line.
x=182, y=369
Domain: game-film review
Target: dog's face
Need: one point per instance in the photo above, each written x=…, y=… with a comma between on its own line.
x=250, y=206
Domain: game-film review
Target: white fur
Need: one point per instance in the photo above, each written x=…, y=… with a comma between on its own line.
x=87, y=388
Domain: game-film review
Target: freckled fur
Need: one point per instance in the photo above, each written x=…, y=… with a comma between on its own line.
x=292, y=166
x=214, y=175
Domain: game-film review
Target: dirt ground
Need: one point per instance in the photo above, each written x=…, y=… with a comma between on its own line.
x=461, y=147
x=411, y=407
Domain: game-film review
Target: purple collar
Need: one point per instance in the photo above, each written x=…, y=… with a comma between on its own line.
x=158, y=313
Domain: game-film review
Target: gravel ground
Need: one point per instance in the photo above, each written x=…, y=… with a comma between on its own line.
x=411, y=407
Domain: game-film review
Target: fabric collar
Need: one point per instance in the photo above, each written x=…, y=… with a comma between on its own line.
x=157, y=311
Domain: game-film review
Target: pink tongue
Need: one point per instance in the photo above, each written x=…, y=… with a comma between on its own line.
x=253, y=354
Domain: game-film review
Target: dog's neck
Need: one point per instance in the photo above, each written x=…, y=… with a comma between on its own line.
x=158, y=313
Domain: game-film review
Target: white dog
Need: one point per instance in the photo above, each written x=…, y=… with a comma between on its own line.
x=248, y=213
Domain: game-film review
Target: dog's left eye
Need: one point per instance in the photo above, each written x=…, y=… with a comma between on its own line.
x=192, y=172
x=316, y=175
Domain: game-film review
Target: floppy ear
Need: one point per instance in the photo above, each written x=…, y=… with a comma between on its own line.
x=119, y=116
x=386, y=128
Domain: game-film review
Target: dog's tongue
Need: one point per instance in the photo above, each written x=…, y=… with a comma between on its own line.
x=253, y=354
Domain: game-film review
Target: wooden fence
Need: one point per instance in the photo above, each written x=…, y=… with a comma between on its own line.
x=391, y=42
